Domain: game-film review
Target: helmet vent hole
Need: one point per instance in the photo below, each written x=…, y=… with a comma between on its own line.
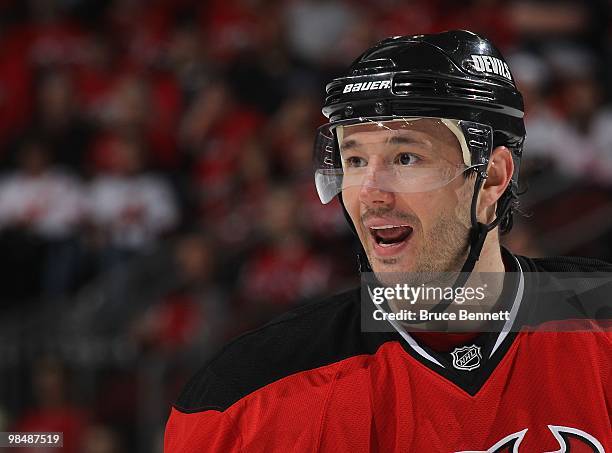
x=474, y=91
x=410, y=85
x=373, y=66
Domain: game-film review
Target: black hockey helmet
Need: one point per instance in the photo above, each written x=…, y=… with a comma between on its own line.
x=456, y=75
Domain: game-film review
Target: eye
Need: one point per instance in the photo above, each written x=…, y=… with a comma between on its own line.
x=355, y=161
x=406, y=159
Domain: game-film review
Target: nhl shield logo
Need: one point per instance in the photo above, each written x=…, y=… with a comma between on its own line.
x=467, y=357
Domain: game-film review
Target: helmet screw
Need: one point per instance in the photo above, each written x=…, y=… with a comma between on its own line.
x=348, y=110
x=379, y=108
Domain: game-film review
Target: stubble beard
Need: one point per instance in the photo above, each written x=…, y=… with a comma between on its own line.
x=441, y=254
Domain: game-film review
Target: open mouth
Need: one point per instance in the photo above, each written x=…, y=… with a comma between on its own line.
x=390, y=235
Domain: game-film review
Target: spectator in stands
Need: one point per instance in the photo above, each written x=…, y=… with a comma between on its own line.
x=52, y=410
x=41, y=209
x=214, y=132
x=549, y=141
x=130, y=206
x=192, y=315
x=146, y=107
x=581, y=101
x=58, y=120
x=284, y=269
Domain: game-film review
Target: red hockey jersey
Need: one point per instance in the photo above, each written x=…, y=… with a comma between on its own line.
x=312, y=381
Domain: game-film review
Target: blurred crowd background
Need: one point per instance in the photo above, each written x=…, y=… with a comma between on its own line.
x=156, y=192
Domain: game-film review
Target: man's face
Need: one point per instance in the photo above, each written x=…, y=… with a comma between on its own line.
x=402, y=227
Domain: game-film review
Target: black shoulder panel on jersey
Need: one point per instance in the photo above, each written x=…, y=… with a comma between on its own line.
x=308, y=337
x=568, y=289
x=571, y=264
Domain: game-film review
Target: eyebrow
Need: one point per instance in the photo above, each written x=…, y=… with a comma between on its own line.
x=349, y=144
x=395, y=140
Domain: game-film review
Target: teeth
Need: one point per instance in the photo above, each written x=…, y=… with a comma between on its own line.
x=386, y=227
x=382, y=244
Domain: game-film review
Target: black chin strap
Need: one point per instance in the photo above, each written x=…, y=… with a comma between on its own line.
x=477, y=237
x=479, y=231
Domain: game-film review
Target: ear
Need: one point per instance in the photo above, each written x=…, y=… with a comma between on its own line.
x=500, y=170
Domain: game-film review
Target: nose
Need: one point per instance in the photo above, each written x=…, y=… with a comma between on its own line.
x=371, y=191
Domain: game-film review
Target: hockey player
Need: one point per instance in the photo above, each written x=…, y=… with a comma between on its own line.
x=423, y=149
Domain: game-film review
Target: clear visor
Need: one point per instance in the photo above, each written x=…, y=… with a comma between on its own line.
x=402, y=155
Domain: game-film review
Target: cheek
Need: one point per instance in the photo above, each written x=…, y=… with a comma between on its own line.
x=426, y=206
x=352, y=204
x=462, y=197
x=445, y=205
x=350, y=199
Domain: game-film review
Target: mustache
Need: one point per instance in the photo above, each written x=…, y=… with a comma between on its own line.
x=391, y=214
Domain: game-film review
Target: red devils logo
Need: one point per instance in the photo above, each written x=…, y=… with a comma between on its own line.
x=570, y=440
